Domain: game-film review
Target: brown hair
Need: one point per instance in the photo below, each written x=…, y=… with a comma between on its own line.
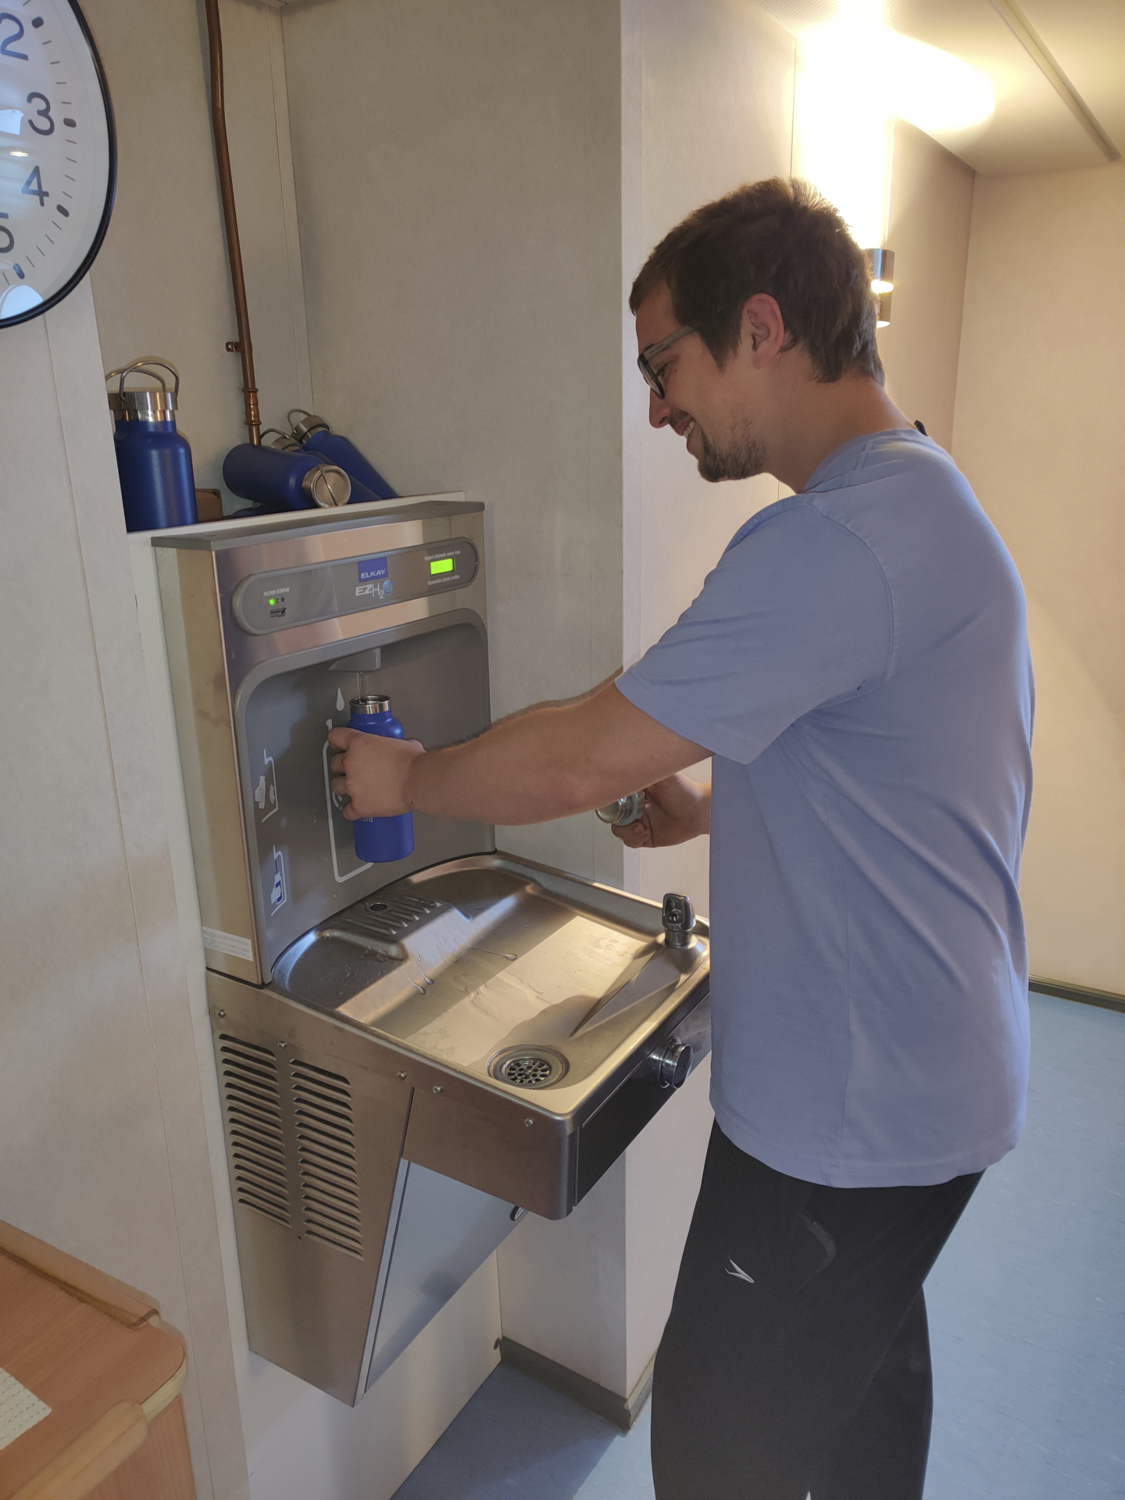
x=780, y=237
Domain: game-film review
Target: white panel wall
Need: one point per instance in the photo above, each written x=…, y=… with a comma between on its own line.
x=459, y=197
x=709, y=106
x=931, y=204
x=161, y=282
x=303, y=1445
x=104, y=1150
x=1039, y=432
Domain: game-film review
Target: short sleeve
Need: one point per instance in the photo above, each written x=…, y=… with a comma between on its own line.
x=796, y=614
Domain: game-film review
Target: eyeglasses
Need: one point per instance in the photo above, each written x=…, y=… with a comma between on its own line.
x=646, y=356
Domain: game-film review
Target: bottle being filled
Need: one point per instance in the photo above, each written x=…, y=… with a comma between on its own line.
x=380, y=840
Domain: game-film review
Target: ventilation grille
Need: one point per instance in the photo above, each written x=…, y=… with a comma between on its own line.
x=255, y=1138
x=326, y=1160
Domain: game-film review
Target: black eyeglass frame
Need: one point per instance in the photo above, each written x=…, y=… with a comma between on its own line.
x=644, y=358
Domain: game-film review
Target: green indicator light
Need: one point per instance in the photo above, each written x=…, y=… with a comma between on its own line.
x=443, y=565
x=273, y=601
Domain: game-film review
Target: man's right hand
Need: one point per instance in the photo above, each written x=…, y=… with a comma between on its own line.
x=676, y=809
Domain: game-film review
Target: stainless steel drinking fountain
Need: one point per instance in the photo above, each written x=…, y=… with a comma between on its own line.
x=410, y=1055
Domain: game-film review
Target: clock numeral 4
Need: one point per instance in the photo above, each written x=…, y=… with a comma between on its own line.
x=7, y=238
x=6, y=43
x=34, y=188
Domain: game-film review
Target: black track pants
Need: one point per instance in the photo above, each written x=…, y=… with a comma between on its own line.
x=796, y=1358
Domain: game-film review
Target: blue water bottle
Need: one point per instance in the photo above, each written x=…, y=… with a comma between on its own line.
x=380, y=840
x=153, y=460
x=315, y=436
x=286, y=478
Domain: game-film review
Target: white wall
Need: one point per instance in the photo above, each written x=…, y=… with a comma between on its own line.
x=104, y=1148
x=1039, y=432
x=303, y=1445
x=930, y=208
x=161, y=282
x=459, y=200
x=709, y=106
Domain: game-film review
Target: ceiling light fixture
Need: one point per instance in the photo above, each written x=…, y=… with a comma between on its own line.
x=902, y=76
x=856, y=77
x=881, y=268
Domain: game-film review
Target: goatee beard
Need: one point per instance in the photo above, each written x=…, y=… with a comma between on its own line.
x=745, y=457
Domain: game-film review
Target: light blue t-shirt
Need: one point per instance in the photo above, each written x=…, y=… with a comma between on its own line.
x=858, y=665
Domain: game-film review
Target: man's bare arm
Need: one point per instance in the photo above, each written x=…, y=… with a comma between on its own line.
x=547, y=762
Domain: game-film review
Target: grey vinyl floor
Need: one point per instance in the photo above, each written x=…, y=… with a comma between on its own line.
x=1027, y=1320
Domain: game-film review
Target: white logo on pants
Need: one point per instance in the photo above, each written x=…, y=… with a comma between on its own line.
x=733, y=1269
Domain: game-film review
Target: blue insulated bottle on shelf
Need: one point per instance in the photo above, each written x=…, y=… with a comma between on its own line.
x=380, y=840
x=315, y=436
x=153, y=460
x=285, y=477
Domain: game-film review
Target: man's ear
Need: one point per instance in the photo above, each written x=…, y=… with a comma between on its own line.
x=763, y=327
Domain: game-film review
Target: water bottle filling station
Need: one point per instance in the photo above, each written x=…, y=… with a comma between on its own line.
x=418, y=1038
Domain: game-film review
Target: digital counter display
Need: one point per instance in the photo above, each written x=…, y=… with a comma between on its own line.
x=442, y=565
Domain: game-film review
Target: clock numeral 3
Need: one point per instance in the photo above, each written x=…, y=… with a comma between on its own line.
x=34, y=188
x=41, y=114
x=6, y=235
x=6, y=44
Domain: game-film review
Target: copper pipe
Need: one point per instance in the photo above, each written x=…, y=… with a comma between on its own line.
x=230, y=219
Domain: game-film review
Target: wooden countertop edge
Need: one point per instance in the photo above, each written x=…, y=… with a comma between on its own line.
x=118, y=1300
x=93, y=1456
x=164, y=1395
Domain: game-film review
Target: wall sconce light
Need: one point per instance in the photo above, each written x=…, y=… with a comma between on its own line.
x=881, y=267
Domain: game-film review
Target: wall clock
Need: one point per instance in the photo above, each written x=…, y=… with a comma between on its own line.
x=58, y=154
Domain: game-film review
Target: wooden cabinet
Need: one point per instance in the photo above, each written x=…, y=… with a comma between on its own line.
x=95, y=1352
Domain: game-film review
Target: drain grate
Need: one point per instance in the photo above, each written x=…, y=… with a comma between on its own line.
x=528, y=1067
x=391, y=919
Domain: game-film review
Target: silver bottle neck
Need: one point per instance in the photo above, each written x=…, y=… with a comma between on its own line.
x=373, y=704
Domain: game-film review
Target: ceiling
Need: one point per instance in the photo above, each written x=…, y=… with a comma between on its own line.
x=1057, y=69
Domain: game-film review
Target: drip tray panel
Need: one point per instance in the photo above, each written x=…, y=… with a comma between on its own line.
x=490, y=957
x=494, y=1024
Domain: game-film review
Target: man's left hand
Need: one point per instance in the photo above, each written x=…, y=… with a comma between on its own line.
x=371, y=770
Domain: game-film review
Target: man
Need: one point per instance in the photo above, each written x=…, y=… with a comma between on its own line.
x=857, y=667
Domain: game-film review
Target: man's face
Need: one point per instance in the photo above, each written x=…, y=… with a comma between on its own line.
x=703, y=404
